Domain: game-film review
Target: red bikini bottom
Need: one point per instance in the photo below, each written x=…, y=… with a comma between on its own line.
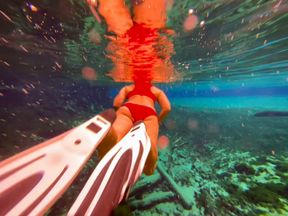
x=139, y=112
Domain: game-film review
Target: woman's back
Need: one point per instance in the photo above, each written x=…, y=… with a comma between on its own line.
x=145, y=95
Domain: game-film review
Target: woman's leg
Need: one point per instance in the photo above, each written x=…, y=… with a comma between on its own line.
x=152, y=128
x=151, y=13
x=117, y=15
x=121, y=126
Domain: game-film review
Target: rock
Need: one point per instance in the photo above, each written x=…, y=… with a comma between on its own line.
x=244, y=169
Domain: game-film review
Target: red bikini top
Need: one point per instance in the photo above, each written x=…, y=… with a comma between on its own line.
x=143, y=90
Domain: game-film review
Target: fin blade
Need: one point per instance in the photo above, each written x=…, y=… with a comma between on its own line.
x=116, y=172
x=50, y=167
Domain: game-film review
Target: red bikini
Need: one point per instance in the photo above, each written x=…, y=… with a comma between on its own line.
x=142, y=89
x=140, y=112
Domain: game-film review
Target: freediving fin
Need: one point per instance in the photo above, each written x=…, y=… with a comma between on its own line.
x=32, y=181
x=115, y=174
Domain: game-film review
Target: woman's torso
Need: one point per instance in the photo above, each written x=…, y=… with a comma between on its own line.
x=142, y=98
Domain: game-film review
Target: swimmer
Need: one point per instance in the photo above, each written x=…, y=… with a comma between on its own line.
x=136, y=103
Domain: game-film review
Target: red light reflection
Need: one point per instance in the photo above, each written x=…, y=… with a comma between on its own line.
x=145, y=48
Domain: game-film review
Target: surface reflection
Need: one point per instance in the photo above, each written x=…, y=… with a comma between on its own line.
x=142, y=52
x=142, y=47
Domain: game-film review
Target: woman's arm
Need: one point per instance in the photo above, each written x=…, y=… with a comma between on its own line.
x=120, y=98
x=165, y=106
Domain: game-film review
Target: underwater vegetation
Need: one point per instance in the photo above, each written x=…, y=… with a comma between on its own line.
x=206, y=178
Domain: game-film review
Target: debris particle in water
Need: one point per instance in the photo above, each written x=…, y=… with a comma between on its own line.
x=23, y=48
x=6, y=16
x=202, y=23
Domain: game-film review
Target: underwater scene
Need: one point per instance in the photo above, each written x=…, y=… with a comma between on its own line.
x=223, y=64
